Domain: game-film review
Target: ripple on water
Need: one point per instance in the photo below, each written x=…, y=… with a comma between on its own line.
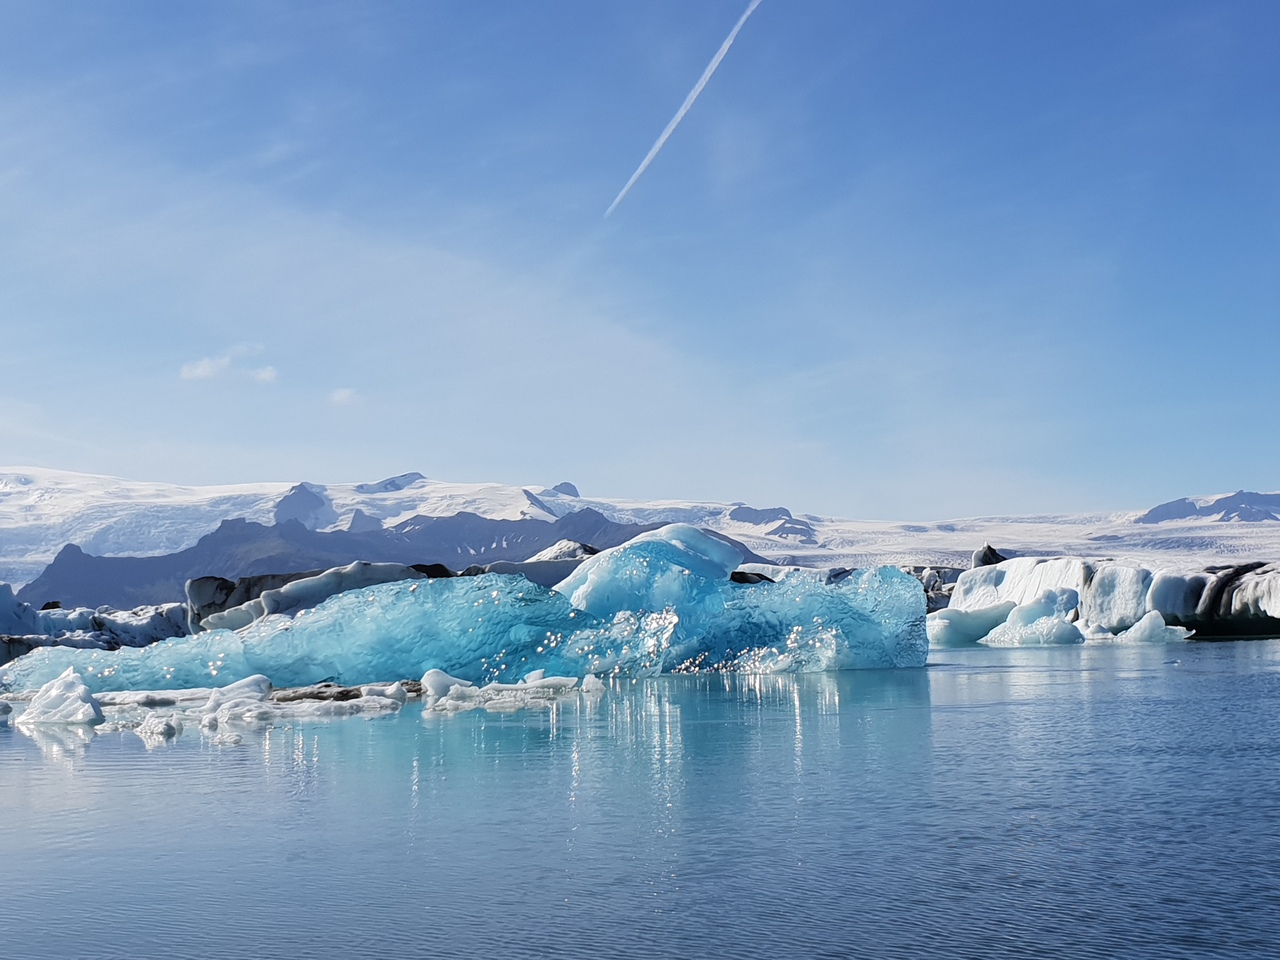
x=1050, y=803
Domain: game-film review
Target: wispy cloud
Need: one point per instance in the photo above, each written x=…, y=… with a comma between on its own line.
x=228, y=364
x=205, y=368
x=343, y=397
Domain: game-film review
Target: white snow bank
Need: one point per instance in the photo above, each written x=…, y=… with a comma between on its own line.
x=63, y=700
x=563, y=550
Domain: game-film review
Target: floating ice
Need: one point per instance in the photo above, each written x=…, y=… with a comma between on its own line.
x=663, y=601
x=503, y=697
x=156, y=729
x=667, y=567
x=1040, y=622
x=962, y=628
x=1116, y=594
x=1151, y=628
x=65, y=699
x=82, y=627
x=309, y=592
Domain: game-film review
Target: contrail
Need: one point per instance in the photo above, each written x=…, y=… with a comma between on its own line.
x=684, y=107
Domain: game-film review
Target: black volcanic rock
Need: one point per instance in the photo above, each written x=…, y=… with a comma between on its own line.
x=988, y=556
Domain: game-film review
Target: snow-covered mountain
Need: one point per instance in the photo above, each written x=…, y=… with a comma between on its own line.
x=42, y=510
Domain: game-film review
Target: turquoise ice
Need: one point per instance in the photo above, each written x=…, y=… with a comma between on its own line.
x=662, y=602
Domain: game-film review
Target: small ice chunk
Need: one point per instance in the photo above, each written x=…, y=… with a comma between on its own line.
x=534, y=675
x=245, y=710
x=157, y=729
x=1152, y=629
x=256, y=688
x=592, y=685
x=63, y=700
x=437, y=683
x=369, y=705
x=502, y=697
x=386, y=691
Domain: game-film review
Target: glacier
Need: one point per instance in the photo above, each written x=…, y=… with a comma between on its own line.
x=661, y=602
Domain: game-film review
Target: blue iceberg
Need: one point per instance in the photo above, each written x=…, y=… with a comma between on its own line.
x=662, y=602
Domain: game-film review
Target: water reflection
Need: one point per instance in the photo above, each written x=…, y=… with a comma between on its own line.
x=1039, y=800
x=62, y=744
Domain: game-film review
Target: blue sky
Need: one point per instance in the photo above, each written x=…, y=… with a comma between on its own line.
x=901, y=260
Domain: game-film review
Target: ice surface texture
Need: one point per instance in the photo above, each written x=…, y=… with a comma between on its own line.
x=1116, y=594
x=64, y=699
x=658, y=603
x=1040, y=622
x=82, y=627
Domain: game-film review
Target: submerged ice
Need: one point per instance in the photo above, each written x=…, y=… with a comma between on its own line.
x=660, y=602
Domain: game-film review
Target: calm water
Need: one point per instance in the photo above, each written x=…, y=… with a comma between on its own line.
x=1078, y=802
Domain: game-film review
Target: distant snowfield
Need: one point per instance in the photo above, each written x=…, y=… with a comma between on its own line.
x=42, y=510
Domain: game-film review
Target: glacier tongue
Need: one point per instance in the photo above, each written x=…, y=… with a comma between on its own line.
x=658, y=603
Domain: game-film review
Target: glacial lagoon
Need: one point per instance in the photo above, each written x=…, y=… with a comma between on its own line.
x=1090, y=801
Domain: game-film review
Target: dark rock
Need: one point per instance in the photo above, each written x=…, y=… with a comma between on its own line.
x=317, y=691
x=746, y=576
x=307, y=505
x=52, y=605
x=361, y=522
x=209, y=595
x=433, y=571
x=988, y=556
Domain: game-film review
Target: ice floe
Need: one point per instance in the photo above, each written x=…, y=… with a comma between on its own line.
x=661, y=602
x=1116, y=595
x=63, y=700
x=1040, y=622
